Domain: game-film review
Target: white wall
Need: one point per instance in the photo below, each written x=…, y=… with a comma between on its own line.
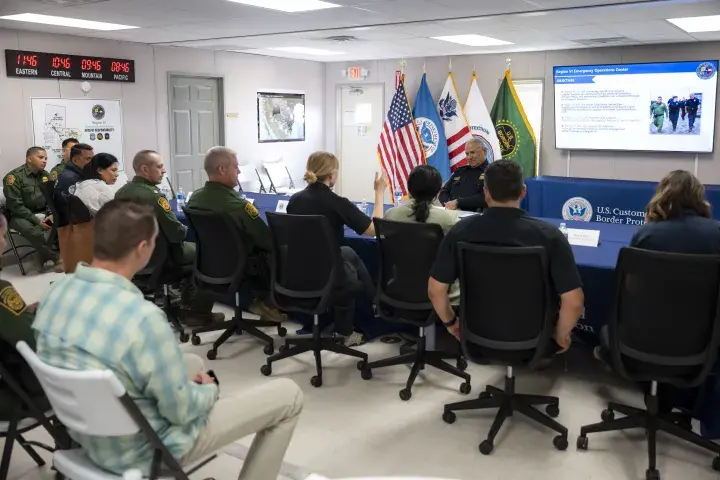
x=539, y=65
x=145, y=102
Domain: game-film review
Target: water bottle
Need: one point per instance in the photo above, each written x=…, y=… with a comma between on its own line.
x=397, y=196
x=180, y=199
x=364, y=207
x=564, y=230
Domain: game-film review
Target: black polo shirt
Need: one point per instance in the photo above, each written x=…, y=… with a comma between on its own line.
x=687, y=233
x=318, y=199
x=509, y=227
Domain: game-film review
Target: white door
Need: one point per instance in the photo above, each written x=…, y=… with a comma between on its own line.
x=362, y=115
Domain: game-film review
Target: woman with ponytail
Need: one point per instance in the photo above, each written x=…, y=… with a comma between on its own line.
x=424, y=184
x=319, y=199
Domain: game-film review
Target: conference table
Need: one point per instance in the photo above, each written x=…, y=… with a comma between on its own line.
x=595, y=264
x=609, y=201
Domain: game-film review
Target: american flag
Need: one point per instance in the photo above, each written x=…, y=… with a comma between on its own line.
x=400, y=149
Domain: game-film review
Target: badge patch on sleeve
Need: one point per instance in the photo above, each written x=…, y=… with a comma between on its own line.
x=44, y=179
x=10, y=179
x=12, y=301
x=252, y=211
x=482, y=177
x=162, y=201
x=53, y=176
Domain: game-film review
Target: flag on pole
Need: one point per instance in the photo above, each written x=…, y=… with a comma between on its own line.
x=400, y=149
x=455, y=124
x=430, y=128
x=481, y=126
x=516, y=137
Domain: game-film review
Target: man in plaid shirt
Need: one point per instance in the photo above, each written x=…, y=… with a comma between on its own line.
x=97, y=319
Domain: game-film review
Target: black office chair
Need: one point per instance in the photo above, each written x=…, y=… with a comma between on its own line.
x=664, y=329
x=220, y=265
x=402, y=295
x=14, y=247
x=158, y=276
x=306, y=270
x=507, y=315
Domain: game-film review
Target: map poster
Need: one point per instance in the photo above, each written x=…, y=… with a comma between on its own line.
x=95, y=122
x=281, y=117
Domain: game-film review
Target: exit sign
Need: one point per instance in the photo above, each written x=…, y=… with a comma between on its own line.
x=356, y=73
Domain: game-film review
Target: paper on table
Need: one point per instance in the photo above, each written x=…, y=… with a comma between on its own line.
x=583, y=238
x=281, y=206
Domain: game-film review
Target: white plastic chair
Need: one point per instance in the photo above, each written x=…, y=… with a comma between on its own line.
x=281, y=181
x=95, y=402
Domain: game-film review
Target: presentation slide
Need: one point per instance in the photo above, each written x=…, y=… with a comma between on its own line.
x=667, y=107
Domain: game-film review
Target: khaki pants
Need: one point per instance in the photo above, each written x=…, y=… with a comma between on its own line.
x=270, y=410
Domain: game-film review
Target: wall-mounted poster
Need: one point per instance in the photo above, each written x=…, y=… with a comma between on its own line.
x=95, y=122
x=281, y=117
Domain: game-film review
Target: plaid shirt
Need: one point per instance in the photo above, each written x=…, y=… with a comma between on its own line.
x=96, y=319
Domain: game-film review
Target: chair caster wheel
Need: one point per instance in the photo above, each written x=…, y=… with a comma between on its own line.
x=266, y=370
x=283, y=348
x=561, y=442
x=652, y=474
x=716, y=464
x=184, y=337
x=449, y=417
x=268, y=350
x=282, y=331
x=582, y=443
x=212, y=354
x=607, y=415
x=361, y=365
x=366, y=374
x=461, y=364
x=486, y=447
x=553, y=410
x=465, y=388
x=195, y=340
x=316, y=381
x=405, y=394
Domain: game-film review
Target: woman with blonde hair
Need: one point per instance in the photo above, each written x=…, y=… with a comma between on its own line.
x=319, y=199
x=678, y=218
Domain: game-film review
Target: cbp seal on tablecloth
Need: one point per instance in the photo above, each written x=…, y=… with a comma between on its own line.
x=578, y=209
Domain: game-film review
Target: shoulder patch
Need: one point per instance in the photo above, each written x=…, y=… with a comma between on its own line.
x=482, y=176
x=44, y=179
x=162, y=201
x=11, y=300
x=10, y=179
x=53, y=175
x=252, y=210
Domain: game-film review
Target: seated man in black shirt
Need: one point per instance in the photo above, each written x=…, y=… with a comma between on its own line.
x=80, y=155
x=504, y=223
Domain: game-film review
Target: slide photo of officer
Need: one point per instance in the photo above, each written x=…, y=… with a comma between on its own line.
x=679, y=116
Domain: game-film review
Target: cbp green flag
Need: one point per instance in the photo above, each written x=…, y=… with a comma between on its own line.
x=516, y=137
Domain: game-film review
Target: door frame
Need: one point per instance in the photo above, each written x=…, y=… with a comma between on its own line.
x=221, y=109
x=339, y=117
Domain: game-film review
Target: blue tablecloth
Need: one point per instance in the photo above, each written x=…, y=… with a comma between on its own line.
x=608, y=201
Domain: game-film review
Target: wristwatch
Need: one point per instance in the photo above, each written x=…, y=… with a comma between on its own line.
x=451, y=322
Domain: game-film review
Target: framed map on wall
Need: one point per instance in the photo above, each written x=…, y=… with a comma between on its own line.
x=281, y=117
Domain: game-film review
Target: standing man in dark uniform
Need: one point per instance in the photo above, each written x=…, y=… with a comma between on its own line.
x=674, y=109
x=218, y=195
x=464, y=190
x=682, y=108
x=67, y=146
x=691, y=105
x=25, y=201
x=80, y=155
x=149, y=173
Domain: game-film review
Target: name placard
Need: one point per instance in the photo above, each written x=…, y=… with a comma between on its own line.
x=583, y=238
x=281, y=206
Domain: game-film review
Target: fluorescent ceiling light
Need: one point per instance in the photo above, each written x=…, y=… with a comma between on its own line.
x=710, y=23
x=289, y=5
x=65, y=22
x=473, y=40
x=308, y=51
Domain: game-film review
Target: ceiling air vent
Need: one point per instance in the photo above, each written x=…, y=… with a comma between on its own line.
x=341, y=38
x=599, y=42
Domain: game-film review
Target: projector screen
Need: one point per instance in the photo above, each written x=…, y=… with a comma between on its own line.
x=640, y=106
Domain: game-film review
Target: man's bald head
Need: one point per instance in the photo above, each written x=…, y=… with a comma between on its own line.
x=475, y=151
x=148, y=164
x=221, y=166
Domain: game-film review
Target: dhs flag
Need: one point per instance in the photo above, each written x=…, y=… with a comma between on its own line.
x=481, y=125
x=456, y=127
x=430, y=128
